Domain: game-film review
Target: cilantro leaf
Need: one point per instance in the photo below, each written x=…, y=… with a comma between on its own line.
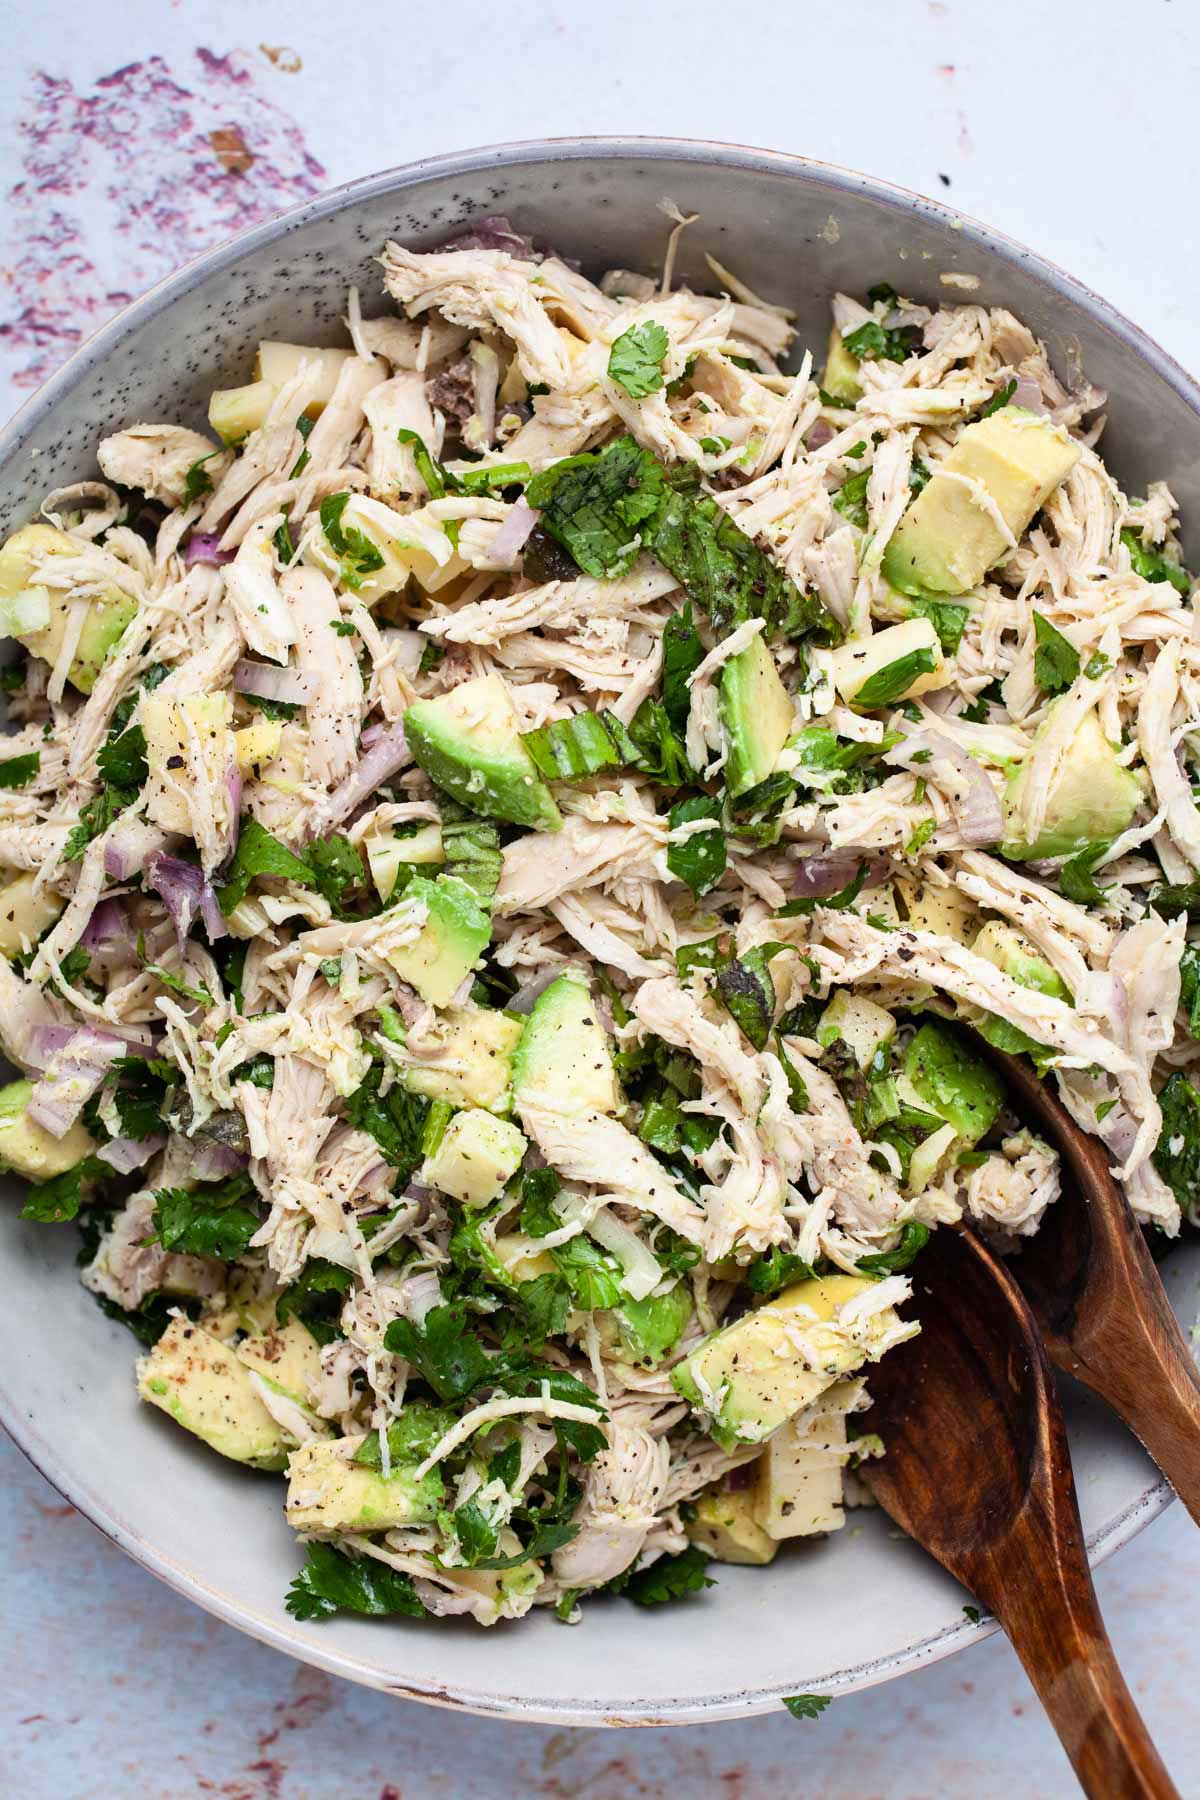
x=683, y=653
x=1171, y=898
x=1076, y=880
x=890, y=683
x=661, y=753
x=336, y=866
x=1152, y=565
x=396, y=1120
x=1189, y=986
x=122, y=762
x=1055, y=660
x=725, y=573
x=437, y=479
x=1000, y=398
x=748, y=993
x=198, y=482
x=851, y=499
x=19, y=771
x=913, y=1238
x=948, y=618
x=872, y=341
x=258, y=853
x=670, y=1578
x=315, y=1298
x=597, y=504
x=807, y=1706
x=1177, y=1154
x=447, y=1356
x=539, y=1190
x=636, y=358
x=593, y=1276
x=203, y=1223
x=357, y=555
x=330, y=1582
x=701, y=858
x=777, y=1269
x=123, y=770
x=53, y=1202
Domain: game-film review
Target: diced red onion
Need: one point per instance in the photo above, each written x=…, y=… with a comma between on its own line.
x=267, y=682
x=386, y=757
x=127, y=1154
x=106, y=924
x=494, y=232
x=528, y=992
x=184, y=892
x=976, y=804
x=1028, y=394
x=205, y=547
x=79, y=1070
x=509, y=541
x=377, y=1176
x=821, y=433
x=213, y=1161
x=128, y=845
x=818, y=876
x=372, y=735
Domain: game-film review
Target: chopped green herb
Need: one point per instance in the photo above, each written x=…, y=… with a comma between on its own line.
x=807, y=1706
x=700, y=858
x=1056, y=660
x=1000, y=398
x=598, y=505
x=358, y=556
x=330, y=1582
x=636, y=358
x=19, y=771
x=1153, y=565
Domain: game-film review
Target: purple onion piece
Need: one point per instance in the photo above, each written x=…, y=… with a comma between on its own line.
x=493, y=232
x=106, y=925
x=528, y=992
x=509, y=541
x=386, y=757
x=127, y=1154
x=183, y=890
x=213, y=1161
x=266, y=681
x=205, y=547
x=817, y=877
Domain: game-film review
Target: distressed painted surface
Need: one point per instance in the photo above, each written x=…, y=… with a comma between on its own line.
x=130, y=140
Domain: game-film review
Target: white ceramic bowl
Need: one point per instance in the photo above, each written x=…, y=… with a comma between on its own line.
x=835, y=1615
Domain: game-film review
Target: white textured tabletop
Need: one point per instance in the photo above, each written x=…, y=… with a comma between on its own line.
x=132, y=136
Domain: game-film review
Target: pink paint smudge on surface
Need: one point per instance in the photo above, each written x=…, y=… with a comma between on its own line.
x=122, y=183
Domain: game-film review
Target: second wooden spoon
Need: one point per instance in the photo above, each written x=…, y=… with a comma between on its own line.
x=977, y=1470
x=1098, y=1299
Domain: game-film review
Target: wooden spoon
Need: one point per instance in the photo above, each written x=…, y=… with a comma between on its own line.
x=1098, y=1299
x=977, y=1470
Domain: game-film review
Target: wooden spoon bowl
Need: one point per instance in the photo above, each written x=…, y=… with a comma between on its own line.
x=977, y=1471
x=1098, y=1298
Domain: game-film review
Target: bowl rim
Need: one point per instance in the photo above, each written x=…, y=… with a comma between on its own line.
x=838, y=180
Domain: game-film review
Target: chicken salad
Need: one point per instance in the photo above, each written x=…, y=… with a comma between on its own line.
x=516, y=841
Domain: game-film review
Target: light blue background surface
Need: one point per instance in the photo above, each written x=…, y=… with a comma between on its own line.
x=1070, y=126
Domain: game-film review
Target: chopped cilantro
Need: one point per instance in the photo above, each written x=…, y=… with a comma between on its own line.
x=1055, y=660
x=636, y=358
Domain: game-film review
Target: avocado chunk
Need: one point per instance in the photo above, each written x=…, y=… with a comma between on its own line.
x=476, y=1158
x=25, y=913
x=1013, y=953
x=287, y=1357
x=799, y=1476
x=757, y=715
x=562, y=1061
x=953, y=1082
x=107, y=614
x=651, y=1328
x=454, y=933
x=181, y=734
x=1002, y=468
x=725, y=1525
x=861, y=1025
x=28, y=1147
x=200, y=1382
x=1091, y=797
x=328, y=1493
x=840, y=376
x=469, y=742
x=890, y=665
x=467, y=1059
x=751, y=1376
x=235, y=412
x=387, y=855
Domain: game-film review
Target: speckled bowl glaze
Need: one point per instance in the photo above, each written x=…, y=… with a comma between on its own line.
x=830, y=1616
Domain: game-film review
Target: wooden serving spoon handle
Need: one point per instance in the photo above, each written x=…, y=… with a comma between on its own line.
x=1049, y=1610
x=978, y=1471
x=1099, y=1299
